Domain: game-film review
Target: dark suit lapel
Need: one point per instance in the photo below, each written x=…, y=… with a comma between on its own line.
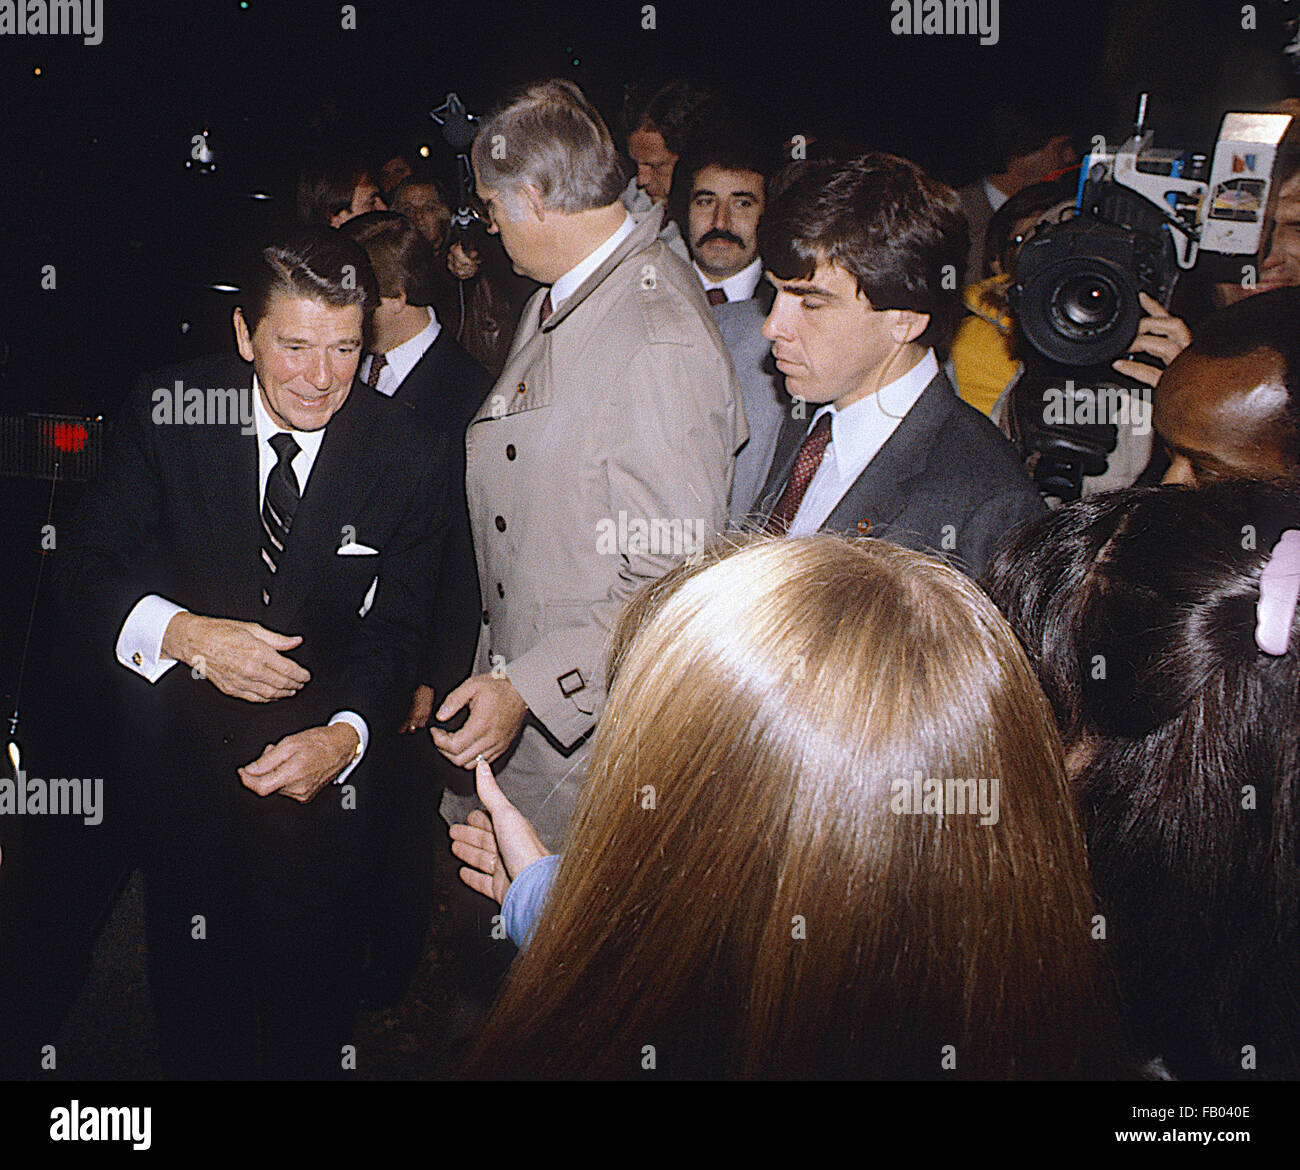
x=788, y=438
x=342, y=478
x=881, y=492
x=225, y=460
x=420, y=386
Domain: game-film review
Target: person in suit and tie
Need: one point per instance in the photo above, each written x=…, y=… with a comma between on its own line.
x=866, y=257
x=602, y=456
x=718, y=195
x=264, y=576
x=415, y=360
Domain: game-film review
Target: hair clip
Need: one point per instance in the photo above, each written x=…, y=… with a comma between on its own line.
x=1279, y=590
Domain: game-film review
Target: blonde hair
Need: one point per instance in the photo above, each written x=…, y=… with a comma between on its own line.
x=739, y=893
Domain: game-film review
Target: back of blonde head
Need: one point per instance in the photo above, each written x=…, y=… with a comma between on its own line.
x=741, y=896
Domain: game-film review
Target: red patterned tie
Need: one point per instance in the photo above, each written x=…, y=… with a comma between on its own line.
x=716, y=296
x=377, y=363
x=546, y=310
x=806, y=463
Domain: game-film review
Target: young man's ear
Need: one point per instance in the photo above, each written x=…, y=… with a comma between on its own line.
x=908, y=325
x=243, y=337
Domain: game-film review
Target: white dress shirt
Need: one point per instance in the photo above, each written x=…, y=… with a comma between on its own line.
x=401, y=359
x=738, y=287
x=569, y=283
x=139, y=643
x=857, y=434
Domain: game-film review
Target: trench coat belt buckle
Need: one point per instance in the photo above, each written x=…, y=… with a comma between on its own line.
x=571, y=683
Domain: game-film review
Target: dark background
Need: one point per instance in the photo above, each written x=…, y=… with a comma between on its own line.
x=93, y=149
x=94, y=146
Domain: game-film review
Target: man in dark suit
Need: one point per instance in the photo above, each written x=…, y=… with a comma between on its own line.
x=416, y=361
x=266, y=582
x=866, y=258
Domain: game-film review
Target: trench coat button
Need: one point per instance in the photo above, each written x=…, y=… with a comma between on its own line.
x=501, y=590
x=485, y=617
x=501, y=523
x=510, y=451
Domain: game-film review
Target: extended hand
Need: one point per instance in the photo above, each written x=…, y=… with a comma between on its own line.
x=241, y=659
x=421, y=708
x=496, y=715
x=497, y=847
x=1159, y=334
x=461, y=264
x=300, y=765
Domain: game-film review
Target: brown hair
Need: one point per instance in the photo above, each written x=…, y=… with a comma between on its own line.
x=900, y=234
x=316, y=263
x=326, y=188
x=402, y=258
x=739, y=892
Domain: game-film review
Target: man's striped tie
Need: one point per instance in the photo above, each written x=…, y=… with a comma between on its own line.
x=278, y=506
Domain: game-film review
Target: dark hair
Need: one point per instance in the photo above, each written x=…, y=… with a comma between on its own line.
x=317, y=263
x=1267, y=320
x=678, y=109
x=1138, y=609
x=403, y=260
x=1032, y=200
x=729, y=149
x=1011, y=132
x=326, y=188
x=882, y=219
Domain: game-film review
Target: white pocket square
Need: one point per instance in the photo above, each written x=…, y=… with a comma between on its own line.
x=352, y=549
x=370, y=597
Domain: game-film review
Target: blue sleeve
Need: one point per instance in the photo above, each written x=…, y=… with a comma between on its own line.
x=526, y=899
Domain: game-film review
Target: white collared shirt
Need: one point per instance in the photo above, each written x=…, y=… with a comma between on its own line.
x=740, y=286
x=569, y=283
x=401, y=359
x=858, y=432
x=139, y=643
x=308, y=443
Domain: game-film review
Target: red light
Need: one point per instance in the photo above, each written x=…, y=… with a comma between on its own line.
x=70, y=437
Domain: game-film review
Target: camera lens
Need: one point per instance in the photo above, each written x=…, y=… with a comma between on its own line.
x=1084, y=304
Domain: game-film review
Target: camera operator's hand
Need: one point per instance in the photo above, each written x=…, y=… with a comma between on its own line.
x=1159, y=334
x=461, y=264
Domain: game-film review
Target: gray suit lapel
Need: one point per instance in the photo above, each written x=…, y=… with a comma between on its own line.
x=882, y=490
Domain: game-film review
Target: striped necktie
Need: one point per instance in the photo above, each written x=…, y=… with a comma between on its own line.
x=279, y=505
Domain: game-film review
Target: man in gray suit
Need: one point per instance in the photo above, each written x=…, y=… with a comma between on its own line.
x=863, y=255
x=718, y=195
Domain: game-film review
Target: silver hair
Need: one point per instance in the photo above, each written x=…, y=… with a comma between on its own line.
x=552, y=138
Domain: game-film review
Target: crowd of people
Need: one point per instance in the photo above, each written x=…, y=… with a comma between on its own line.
x=686, y=527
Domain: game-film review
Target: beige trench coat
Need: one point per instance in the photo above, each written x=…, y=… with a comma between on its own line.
x=601, y=458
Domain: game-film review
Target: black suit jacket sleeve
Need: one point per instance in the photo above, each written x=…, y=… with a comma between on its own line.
x=112, y=543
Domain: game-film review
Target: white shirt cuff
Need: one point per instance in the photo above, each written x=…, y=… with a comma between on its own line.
x=139, y=645
x=354, y=721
